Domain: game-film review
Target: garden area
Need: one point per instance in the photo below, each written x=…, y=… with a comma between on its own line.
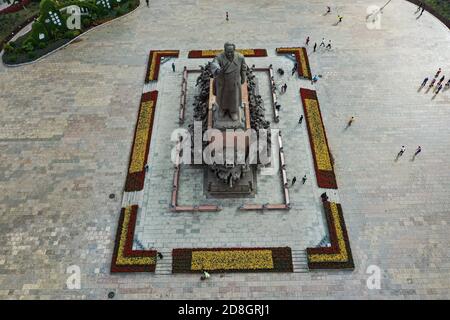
x=9, y=22
x=56, y=24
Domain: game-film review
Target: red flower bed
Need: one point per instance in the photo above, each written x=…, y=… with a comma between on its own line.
x=318, y=139
x=141, y=142
x=15, y=7
x=125, y=259
x=339, y=254
x=196, y=54
x=304, y=70
x=232, y=260
x=154, y=60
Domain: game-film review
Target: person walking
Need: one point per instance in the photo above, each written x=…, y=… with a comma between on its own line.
x=205, y=275
x=173, y=66
x=148, y=3
x=304, y=179
x=322, y=43
x=441, y=80
x=328, y=10
x=438, y=89
x=294, y=68
x=419, y=7
x=447, y=85
x=350, y=121
x=421, y=12
x=418, y=150
x=424, y=82
x=437, y=73
x=160, y=255
x=284, y=87
x=402, y=150
x=314, y=79
x=300, y=120
x=307, y=40
x=293, y=181
x=315, y=46
x=329, y=45
x=226, y=16
x=339, y=19
x=432, y=83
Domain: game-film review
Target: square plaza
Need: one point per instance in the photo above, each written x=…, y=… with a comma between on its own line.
x=67, y=126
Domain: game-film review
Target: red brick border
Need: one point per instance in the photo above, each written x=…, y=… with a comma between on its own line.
x=125, y=259
x=154, y=61
x=326, y=253
x=135, y=180
x=325, y=179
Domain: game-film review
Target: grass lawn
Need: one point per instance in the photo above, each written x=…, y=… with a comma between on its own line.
x=10, y=21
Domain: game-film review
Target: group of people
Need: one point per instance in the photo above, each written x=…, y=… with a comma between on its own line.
x=403, y=149
x=322, y=44
x=439, y=84
x=420, y=6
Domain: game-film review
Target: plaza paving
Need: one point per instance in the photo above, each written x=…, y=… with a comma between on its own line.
x=66, y=128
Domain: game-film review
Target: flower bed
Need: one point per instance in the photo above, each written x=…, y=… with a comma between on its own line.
x=15, y=7
x=196, y=54
x=301, y=56
x=141, y=142
x=232, y=260
x=154, y=60
x=339, y=255
x=125, y=259
x=318, y=140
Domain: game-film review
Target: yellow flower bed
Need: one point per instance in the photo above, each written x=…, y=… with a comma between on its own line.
x=121, y=258
x=318, y=135
x=342, y=256
x=156, y=56
x=232, y=259
x=216, y=52
x=141, y=139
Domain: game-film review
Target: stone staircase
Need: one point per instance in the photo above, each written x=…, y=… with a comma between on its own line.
x=300, y=261
x=164, y=265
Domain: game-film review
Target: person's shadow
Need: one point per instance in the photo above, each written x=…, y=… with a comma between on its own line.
x=420, y=88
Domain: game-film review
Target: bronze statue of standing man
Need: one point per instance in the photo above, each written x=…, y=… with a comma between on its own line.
x=229, y=70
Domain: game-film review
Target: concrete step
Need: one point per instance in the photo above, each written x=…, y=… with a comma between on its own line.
x=164, y=265
x=300, y=261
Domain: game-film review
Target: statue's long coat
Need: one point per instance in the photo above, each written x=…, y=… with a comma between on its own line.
x=228, y=81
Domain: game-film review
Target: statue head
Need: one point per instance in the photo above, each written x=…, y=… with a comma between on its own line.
x=229, y=50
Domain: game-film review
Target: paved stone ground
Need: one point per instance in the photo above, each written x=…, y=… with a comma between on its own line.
x=67, y=124
x=301, y=227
